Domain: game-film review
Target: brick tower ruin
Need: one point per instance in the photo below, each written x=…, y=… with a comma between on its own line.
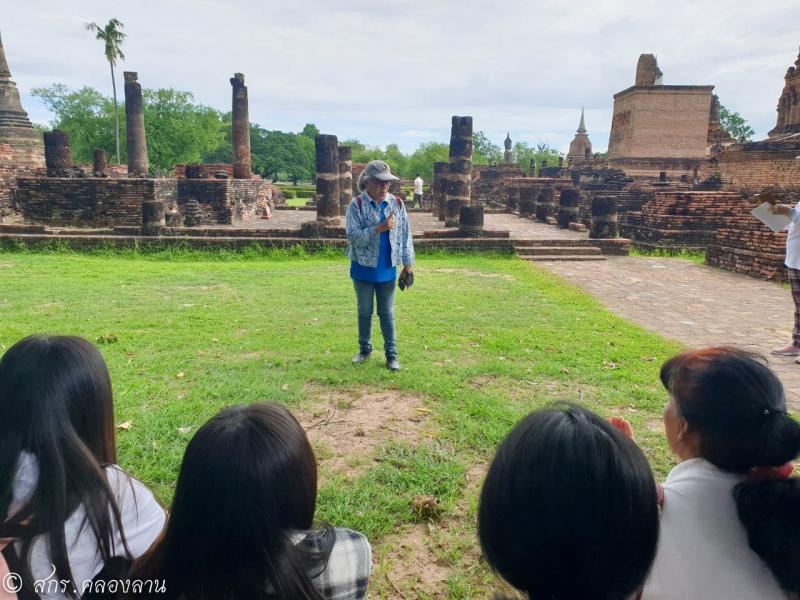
x=789, y=104
x=21, y=147
x=580, y=148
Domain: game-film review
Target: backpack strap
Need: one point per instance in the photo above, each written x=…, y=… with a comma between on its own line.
x=358, y=201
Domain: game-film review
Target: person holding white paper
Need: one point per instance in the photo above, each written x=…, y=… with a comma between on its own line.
x=792, y=263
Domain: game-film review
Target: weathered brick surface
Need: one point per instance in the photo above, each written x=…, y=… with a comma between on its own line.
x=664, y=121
x=486, y=178
x=98, y=202
x=745, y=245
x=750, y=168
x=680, y=220
x=89, y=202
x=17, y=160
x=211, y=168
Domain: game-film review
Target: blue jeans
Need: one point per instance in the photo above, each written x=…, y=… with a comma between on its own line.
x=366, y=292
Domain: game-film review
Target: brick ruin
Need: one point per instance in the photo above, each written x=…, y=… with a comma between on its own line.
x=580, y=148
x=102, y=195
x=673, y=178
x=788, y=122
x=21, y=147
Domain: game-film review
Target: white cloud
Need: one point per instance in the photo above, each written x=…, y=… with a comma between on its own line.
x=379, y=71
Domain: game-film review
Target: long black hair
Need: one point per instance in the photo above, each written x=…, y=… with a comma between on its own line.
x=56, y=405
x=246, y=488
x=736, y=404
x=569, y=508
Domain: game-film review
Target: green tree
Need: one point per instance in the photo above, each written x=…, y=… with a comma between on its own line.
x=484, y=151
x=735, y=125
x=422, y=159
x=86, y=115
x=310, y=131
x=178, y=131
x=112, y=37
x=542, y=152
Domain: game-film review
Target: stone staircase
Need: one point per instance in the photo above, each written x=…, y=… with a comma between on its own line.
x=541, y=250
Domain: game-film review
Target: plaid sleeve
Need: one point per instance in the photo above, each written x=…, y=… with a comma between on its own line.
x=347, y=573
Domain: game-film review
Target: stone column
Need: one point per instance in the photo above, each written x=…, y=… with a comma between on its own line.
x=533, y=168
x=512, y=197
x=240, y=130
x=438, y=185
x=153, y=217
x=546, y=204
x=136, y=141
x=345, y=178
x=100, y=167
x=440, y=189
x=604, y=217
x=57, y=153
x=568, y=206
x=327, y=197
x=459, y=175
x=471, y=219
x=452, y=212
x=527, y=199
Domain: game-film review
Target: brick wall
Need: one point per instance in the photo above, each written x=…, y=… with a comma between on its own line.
x=486, y=178
x=745, y=245
x=16, y=160
x=669, y=121
x=211, y=168
x=750, y=168
x=679, y=220
x=89, y=202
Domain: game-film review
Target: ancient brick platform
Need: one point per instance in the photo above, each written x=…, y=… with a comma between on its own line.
x=680, y=220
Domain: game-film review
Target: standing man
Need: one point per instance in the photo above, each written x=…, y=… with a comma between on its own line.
x=378, y=239
x=792, y=263
x=417, y=191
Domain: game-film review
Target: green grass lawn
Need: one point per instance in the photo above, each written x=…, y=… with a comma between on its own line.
x=482, y=339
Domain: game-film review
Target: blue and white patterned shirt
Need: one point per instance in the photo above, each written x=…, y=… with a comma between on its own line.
x=363, y=244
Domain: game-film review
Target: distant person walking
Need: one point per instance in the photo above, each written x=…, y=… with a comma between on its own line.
x=793, y=267
x=418, y=191
x=378, y=239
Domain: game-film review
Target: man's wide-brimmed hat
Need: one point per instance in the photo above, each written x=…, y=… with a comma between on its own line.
x=377, y=169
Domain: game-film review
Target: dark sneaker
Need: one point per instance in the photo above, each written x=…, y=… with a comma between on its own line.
x=392, y=364
x=360, y=358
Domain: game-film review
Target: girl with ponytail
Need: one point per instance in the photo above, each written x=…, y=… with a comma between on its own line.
x=730, y=525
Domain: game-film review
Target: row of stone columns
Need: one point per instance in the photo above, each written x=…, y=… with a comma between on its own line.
x=540, y=203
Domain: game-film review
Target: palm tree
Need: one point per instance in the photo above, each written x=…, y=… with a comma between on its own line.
x=113, y=38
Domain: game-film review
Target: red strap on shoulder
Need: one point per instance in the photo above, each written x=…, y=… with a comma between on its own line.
x=358, y=201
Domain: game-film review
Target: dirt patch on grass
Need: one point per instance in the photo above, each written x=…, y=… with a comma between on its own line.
x=5, y=265
x=438, y=560
x=467, y=272
x=346, y=428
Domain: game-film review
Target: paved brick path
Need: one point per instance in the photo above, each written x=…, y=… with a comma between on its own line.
x=694, y=304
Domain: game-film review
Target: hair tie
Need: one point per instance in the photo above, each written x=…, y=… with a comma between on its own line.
x=770, y=473
x=772, y=411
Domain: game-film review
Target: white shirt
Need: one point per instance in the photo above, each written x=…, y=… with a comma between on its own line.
x=142, y=520
x=418, y=185
x=702, y=550
x=793, y=240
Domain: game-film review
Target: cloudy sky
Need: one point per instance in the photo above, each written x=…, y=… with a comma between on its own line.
x=386, y=72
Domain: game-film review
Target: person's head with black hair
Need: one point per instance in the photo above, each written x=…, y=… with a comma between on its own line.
x=569, y=508
x=56, y=417
x=246, y=487
x=728, y=407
